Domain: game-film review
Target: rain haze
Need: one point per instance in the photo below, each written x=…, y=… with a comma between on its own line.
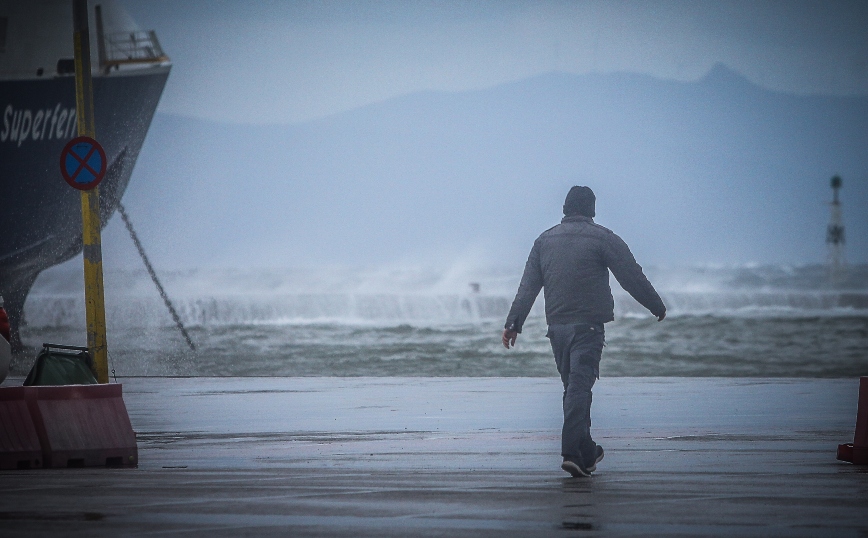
x=376, y=169
x=371, y=133
x=381, y=168
x=339, y=198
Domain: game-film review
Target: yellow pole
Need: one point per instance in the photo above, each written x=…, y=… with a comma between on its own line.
x=94, y=296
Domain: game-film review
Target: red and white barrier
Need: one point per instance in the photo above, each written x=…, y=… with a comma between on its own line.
x=857, y=452
x=19, y=443
x=74, y=426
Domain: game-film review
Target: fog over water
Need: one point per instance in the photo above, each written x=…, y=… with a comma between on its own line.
x=298, y=134
x=323, y=182
x=717, y=171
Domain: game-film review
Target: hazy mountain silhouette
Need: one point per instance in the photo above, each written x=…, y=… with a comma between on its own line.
x=719, y=170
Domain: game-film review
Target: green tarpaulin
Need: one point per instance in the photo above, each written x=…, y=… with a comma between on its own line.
x=61, y=368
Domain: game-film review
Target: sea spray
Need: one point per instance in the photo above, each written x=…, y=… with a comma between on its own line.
x=743, y=321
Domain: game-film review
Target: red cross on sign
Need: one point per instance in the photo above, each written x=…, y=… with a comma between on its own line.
x=83, y=163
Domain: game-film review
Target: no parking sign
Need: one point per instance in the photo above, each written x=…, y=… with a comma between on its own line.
x=83, y=163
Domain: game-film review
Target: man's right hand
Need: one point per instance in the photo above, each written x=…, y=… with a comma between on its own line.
x=661, y=317
x=509, y=338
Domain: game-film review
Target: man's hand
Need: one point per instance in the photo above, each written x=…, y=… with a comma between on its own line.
x=509, y=338
x=661, y=317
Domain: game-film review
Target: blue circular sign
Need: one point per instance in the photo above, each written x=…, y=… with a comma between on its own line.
x=83, y=163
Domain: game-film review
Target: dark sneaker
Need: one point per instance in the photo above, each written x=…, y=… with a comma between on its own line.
x=598, y=456
x=574, y=468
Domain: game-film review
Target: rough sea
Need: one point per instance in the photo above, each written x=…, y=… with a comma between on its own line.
x=752, y=321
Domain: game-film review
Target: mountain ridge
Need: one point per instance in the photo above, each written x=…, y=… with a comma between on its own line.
x=718, y=75
x=435, y=175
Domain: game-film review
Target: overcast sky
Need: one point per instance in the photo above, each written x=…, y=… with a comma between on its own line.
x=284, y=62
x=279, y=62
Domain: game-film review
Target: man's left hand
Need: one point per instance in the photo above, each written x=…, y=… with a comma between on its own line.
x=509, y=338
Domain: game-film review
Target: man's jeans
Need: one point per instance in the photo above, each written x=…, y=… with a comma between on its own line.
x=577, y=350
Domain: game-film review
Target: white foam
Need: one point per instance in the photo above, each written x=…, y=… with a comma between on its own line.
x=417, y=295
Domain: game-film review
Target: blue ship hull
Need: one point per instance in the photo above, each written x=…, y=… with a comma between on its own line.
x=40, y=214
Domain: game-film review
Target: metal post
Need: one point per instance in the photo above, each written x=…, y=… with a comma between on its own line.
x=835, y=235
x=94, y=296
x=100, y=38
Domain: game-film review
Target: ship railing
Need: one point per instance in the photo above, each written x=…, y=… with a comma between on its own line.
x=123, y=48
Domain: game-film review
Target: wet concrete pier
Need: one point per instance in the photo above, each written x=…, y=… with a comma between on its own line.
x=460, y=457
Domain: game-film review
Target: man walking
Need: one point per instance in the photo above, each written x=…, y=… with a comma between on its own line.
x=571, y=262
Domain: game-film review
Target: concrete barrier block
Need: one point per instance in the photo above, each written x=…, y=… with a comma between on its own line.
x=857, y=451
x=860, y=438
x=83, y=426
x=19, y=443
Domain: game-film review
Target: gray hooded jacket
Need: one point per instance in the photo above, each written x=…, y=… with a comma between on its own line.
x=572, y=262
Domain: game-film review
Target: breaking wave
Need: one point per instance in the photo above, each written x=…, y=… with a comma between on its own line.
x=232, y=297
x=755, y=321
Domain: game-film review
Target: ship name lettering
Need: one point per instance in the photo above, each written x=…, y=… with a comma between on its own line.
x=21, y=125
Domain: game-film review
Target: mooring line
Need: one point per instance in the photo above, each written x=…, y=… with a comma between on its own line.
x=153, y=274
